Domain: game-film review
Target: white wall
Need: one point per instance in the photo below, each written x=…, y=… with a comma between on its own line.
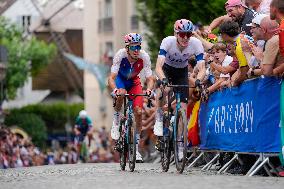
x=21, y=8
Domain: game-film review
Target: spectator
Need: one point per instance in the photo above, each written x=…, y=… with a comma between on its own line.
x=231, y=34
x=265, y=29
x=236, y=11
x=260, y=6
x=277, y=13
x=222, y=63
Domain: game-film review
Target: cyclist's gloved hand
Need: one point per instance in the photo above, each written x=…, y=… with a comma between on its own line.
x=114, y=92
x=197, y=83
x=165, y=81
x=149, y=93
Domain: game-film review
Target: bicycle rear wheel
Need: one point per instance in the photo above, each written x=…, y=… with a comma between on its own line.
x=180, y=140
x=131, y=145
x=166, y=153
x=123, y=147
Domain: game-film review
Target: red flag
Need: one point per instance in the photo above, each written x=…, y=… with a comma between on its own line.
x=193, y=128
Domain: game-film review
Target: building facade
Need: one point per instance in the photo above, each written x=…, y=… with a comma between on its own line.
x=105, y=24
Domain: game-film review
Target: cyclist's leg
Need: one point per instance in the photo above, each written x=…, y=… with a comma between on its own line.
x=79, y=140
x=182, y=80
x=120, y=84
x=137, y=102
x=161, y=101
x=137, y=110
x=84, y=149
x=76, y=145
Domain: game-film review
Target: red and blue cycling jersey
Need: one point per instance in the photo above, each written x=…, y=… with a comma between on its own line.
x=128, y=73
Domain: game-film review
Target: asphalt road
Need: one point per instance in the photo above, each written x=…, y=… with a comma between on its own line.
x=96, y=176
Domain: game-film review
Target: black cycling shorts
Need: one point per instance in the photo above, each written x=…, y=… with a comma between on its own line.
x=178, y=76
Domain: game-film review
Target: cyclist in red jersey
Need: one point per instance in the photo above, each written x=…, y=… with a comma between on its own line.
x=124, y=78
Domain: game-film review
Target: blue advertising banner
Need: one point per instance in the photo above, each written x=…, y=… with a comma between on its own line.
x=244, y=118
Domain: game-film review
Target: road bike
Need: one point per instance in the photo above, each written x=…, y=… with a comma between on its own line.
x=126, y=144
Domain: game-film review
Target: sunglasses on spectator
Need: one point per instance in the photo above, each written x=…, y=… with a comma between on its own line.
x=134, y=48
x=183, y=34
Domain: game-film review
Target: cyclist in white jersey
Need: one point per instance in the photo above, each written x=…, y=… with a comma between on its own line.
x=172, y=64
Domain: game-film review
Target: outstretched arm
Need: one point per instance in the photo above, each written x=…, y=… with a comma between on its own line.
x=216, y=85
x=217, y=22
x=206, y=44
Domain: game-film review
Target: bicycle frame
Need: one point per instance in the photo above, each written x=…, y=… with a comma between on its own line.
x=178, y=104
x=178, y=107
x=178, y=113
x=128, y=106
x=128, y=132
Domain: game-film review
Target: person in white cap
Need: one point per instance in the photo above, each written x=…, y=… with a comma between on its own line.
x=258, y=36
x=263, y=28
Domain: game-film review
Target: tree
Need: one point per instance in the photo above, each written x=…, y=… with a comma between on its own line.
x=159, y=16
x=25, y=56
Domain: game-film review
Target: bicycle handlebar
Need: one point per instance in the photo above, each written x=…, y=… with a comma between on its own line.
x=175, y=86
x=132, y=95
x=149, y=104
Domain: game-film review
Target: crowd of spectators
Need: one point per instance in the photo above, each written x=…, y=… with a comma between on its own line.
x=247, y=46
x=16, y=151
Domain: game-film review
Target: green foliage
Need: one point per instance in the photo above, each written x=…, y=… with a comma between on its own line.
x=24, y=56
x=8, y=30
x=159, y=16
x=55, y=116
x=32, y=124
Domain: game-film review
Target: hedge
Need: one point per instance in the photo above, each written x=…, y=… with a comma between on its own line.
x=55, y=116
x=32, y=124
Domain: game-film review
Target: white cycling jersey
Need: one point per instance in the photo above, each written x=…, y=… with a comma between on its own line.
x=175, y=57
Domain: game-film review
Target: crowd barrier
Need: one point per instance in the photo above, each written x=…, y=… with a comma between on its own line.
x=244, y=120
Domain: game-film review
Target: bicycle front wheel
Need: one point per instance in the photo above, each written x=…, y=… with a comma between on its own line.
x=165, y=142
x=180, y=140
x=123, y=147
x=131, y=145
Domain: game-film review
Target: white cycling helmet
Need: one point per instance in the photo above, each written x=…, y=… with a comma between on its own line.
x=83, y=114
